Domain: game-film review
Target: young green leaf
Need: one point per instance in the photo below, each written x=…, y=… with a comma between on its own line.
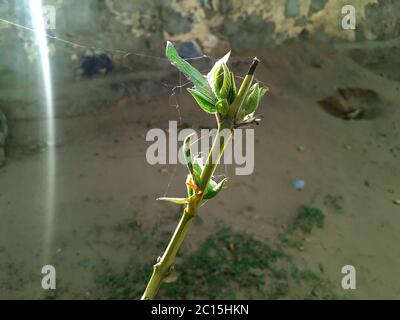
x=214, y=189
x=222, y=107
x=187, y=153
x=264, y=90
x=221, y=83
x=189, y=182
x=217, y=65
x=203, y=101
x=175, y=200
x=199, y=81
x=226, y=86
x=198, y=167
x=232, y=92
x=252, y=100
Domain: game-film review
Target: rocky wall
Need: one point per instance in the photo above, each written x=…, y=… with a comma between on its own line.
x=132, y=34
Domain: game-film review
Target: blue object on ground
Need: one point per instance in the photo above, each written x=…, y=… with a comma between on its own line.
x=298, y=184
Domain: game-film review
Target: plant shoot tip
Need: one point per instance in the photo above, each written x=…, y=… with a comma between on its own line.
x=253, y=66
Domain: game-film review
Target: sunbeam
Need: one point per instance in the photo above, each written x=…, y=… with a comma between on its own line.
x=49, y=169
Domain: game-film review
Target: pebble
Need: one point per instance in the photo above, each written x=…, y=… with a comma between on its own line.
x=348, y=147
x=301, y=148
x=298, y=184
x=164, y=170
x=189, y=49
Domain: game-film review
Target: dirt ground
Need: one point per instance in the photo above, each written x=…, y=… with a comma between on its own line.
x=105, y=212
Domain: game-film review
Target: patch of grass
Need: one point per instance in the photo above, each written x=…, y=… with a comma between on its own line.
x=290, y=240
x=305, y=221
x=228, y=265
x=224, y=262
x=130, y=225
x=334, y=202
x=308, y=218
x=125, y=285
x=317, y=287
x=128, y=282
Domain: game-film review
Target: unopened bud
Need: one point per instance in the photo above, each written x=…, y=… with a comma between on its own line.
x=222, y=81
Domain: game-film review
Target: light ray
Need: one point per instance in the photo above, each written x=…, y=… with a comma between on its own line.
x=50, y=162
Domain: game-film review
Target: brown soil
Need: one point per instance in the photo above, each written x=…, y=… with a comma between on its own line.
x=103, y=180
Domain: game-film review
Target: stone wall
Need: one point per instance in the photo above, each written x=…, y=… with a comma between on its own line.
x=132, y=34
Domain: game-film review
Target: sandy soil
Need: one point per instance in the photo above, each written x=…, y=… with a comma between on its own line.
x=103, y=181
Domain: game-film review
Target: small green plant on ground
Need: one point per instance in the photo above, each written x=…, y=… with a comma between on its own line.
x=305, y=221
x=308, y=218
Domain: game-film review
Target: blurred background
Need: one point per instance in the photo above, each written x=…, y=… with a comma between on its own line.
x=82, y=82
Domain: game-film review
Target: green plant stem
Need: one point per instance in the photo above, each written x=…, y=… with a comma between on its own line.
x=163, y=266
x=225, y=129
x=244, y=88
x=224, y=133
